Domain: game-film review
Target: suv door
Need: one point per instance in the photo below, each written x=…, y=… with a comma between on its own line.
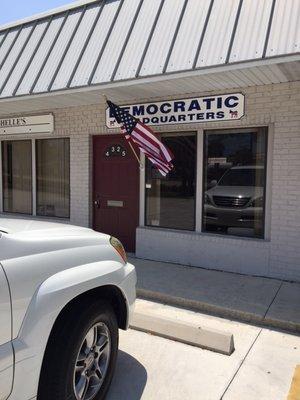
x=6, y=351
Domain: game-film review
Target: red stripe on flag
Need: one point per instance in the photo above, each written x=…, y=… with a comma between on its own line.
x=145, y=139
x=161, y=169
x=168, y=166
x=144, y=142
x=150, y=135
x=154, y=150
x=145, y=145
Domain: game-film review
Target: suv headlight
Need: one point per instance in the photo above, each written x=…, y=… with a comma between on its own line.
x=258, y=202
x=117, y=245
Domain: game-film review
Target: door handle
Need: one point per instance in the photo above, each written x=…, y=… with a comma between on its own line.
x=97, y=203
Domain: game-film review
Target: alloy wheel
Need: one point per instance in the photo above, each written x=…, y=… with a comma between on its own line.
x=92, y=362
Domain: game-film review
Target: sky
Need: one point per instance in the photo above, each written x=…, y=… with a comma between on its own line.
x=12, y=10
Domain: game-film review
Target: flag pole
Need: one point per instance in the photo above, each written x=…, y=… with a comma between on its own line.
x=136, y=156
x=132, y=148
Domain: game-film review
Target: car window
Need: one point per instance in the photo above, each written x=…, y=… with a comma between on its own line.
x=242, y=177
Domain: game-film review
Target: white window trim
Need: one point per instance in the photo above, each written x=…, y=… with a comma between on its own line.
x=199, y=184
x=33, y=176
x=199, y=181
x=198, y=199
x=269, y=177
x=142, y=191
x=1, y=180
x=34, y=188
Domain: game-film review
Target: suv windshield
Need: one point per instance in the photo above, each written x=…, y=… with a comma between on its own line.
x=243, y=177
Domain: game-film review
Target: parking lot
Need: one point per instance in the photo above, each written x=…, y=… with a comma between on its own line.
x=261, y=367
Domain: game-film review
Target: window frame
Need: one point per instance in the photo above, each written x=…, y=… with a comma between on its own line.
x=267, y=160
x=69, y=178
x=143, y=181
x=1, y=169
x=34, y=176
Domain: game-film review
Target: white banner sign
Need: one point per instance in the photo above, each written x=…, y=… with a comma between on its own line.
x=24, y=125
x=194, y=110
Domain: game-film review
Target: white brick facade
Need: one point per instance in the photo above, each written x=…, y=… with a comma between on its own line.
x=276, y=106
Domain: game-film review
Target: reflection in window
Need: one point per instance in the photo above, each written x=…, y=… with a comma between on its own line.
x=170, y=201
x=234, y=182
x=53, y=177
x=17, y=183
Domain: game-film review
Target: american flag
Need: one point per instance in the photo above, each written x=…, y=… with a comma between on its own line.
x=143, y=136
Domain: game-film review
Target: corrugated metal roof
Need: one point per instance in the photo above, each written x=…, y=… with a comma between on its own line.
x=16, y=74
x=98, y=42
x=58, y=52
x=189, y=36
x=76, y=47
x=285, y=30
x=109, y=59
x=252, y=29
x=161, y=40
x=218, y=33
x=39, y=56
x=137, y=41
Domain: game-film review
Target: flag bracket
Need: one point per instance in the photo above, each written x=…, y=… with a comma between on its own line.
x=136, y=156
x=132, y=148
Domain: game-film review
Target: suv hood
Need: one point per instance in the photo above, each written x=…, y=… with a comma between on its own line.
x=236, y=191
x=23, y=237
x=40, y=229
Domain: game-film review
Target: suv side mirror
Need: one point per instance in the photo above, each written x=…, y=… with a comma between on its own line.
x=213, y=183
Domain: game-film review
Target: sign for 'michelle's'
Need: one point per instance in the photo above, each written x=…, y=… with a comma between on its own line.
x=186, y=111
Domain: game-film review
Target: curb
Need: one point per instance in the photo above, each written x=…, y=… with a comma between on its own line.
x=222, y=312
x=184, y=332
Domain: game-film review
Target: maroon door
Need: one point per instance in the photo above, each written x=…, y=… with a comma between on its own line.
x=116, y=189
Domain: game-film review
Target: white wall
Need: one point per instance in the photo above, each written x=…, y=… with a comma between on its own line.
x=276, y=106
x=248, y=256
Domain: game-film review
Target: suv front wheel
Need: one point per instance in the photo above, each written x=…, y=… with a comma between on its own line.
x=81, y=355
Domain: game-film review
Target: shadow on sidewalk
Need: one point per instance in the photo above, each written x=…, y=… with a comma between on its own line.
x=130, y=379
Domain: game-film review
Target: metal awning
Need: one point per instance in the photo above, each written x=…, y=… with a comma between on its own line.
x=113, y=44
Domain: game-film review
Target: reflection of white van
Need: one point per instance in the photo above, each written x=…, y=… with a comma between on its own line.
x=237, y=199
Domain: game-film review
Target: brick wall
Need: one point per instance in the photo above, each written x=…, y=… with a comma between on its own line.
x=285, y=222
x=276, y=106
x=79, y=123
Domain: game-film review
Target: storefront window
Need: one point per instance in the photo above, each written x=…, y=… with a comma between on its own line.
x=170, y=200
x=53, y=177
x=16, y=176
x=234, y=182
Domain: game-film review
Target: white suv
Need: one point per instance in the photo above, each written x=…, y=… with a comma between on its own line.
x=64, y=292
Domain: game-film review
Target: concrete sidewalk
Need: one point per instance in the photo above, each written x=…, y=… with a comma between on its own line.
x=150, y=367
x=264, y=301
